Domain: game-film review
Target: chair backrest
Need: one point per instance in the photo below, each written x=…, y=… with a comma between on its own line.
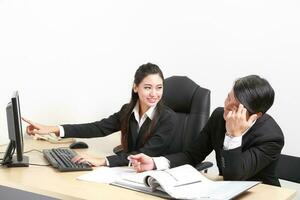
x=288, y=168
x=192, y=106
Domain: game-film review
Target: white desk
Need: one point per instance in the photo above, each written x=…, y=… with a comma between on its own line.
x=50, y=182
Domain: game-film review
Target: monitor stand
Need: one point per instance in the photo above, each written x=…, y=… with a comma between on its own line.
x=15, y=163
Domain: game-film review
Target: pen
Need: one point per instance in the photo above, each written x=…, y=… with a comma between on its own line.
x=129, y=163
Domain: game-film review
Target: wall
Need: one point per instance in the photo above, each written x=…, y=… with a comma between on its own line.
x=73, y=61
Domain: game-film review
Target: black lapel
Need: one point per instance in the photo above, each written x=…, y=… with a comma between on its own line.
x=143, y=131
x=133, y=132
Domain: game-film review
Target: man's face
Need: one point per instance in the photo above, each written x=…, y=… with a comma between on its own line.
x=230, y=104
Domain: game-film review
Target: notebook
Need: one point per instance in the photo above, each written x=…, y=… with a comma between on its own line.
x=183, y=182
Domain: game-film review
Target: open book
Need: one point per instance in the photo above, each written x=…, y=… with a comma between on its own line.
x=183, y=182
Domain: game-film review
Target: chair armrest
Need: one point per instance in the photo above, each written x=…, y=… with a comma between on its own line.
x=118, y=149
x=203, y=166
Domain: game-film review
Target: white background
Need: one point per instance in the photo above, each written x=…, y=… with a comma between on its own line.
x=73, y=61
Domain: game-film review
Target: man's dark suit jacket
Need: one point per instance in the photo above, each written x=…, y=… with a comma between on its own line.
x=255, y=160
x=157, y=144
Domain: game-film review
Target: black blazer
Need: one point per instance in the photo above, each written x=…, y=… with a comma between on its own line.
x=157, y=145
x=255, y=160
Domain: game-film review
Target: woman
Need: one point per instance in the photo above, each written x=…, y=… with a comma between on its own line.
x=146, y=124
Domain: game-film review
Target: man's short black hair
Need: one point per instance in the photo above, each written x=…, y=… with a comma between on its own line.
x=255, y=93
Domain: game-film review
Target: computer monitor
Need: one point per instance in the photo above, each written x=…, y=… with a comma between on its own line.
x=15, y=134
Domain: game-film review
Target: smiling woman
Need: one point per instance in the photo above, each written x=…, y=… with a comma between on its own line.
x=146, y=124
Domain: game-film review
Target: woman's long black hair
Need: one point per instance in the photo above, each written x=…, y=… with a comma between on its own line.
x=143, y=71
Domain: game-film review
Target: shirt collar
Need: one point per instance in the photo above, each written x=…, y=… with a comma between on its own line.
x=248, y=128
x=149, y=113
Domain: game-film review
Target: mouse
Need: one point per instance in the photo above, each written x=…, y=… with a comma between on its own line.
x=78, y=145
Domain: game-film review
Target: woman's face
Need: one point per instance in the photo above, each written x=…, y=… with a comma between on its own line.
x=230, y=104
x=150, y=90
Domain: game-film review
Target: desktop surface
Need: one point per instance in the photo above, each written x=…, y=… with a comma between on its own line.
x=47, y=178
x=48, y=181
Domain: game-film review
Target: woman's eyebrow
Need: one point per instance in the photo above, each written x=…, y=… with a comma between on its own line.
x=147, y=84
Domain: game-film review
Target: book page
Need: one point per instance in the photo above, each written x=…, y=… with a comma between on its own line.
x=185, y=174
x=174, y=177
x=181, y=182
x=107, y=174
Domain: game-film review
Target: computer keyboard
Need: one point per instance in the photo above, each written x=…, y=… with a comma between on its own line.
x=61, y=159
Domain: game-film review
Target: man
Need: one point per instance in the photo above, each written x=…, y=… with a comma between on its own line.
x=246, y=140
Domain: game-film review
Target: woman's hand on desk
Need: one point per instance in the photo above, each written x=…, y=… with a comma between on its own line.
x=91, y=160
x=35, y=128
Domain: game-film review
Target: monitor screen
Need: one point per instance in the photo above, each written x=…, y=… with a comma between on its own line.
x=15, y=134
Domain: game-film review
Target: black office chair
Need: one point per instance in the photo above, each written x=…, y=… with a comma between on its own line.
x=192, y=106
x=288, y=168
